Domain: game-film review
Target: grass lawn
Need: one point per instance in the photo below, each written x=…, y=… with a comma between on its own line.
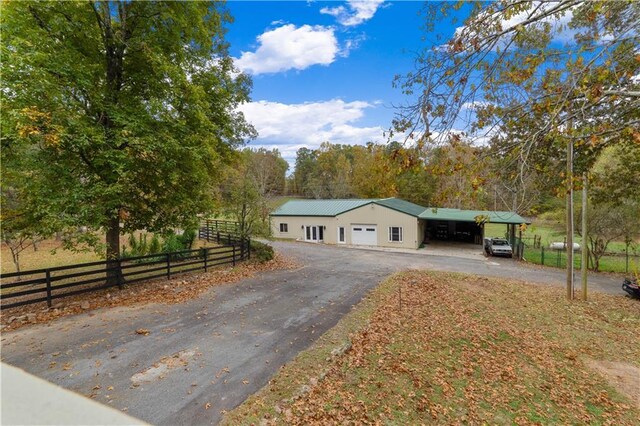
x=550, y=232
x=450, y=348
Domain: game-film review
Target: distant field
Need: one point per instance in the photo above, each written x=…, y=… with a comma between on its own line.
x=550, y=232
x=51, y=254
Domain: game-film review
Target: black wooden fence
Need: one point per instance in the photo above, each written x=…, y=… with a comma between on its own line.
x=223, y=226
x=46, y=285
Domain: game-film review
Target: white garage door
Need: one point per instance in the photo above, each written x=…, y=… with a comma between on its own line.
x=364, y=235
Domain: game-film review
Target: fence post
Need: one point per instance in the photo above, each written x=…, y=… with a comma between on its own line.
x=48, y=275
x=542, y=255
x=205, y=253
x=168, y=266
x=248, y=248
x=626, y=264
x=218, y=237
x=120, y=277
x=233, y=257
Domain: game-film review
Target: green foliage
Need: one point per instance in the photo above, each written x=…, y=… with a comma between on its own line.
x=241, y=198
x=371, y=171
x=171, y=243
x=526, y=78
x=261, y=252
x=117, y=112
x=137, y=246
x=154, y=245
x=187, y=238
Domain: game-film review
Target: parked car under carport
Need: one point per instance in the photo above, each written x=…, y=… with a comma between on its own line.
x=498, y=247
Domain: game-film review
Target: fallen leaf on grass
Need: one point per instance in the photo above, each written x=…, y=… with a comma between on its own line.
x=207, y=405
x=143, y=331
x=245, y=382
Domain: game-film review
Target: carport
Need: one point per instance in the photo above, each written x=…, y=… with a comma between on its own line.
x=465, y=226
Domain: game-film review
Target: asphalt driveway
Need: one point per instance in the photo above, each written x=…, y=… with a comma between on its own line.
x=209, y=354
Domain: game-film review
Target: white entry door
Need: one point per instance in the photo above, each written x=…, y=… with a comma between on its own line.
x=364, y=235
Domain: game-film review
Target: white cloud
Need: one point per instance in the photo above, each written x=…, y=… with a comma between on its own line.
x=475, y=105
x=351, y=44
x=358, y=11
x=289, y=127
x=289, y=47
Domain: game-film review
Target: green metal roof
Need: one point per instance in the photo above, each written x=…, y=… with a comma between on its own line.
x=332, y=208
x=470, y=215
x=401, y=206
x=318, y=207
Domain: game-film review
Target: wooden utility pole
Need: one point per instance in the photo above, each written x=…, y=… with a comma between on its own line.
x=584, y=258
x=569, y=245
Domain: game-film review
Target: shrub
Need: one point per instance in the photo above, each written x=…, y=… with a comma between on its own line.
x=154, y=245
x=261, y=252
x=171, y=243
x=143, y=248
x=187, y=238
x=137, y=247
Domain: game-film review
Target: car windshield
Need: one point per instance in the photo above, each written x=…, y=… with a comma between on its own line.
x=500, y=243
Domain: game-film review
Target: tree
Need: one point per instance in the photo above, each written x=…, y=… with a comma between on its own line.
x=608, y=222
x=508, y=76
x=17, y=233
x=266, y=170
x=304, y=169
x=241, y=198
x=616, y=174
x=528, y=74
x=124, y=110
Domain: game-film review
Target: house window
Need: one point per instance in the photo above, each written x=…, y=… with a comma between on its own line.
x=341, y=234
x=395, y=234
x=284, y=227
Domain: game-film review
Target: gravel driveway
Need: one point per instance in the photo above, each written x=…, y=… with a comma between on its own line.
x=209, y=354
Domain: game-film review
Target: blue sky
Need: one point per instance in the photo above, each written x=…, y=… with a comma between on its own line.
x=323, y=71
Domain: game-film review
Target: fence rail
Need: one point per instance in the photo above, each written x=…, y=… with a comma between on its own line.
x=610, y=262
x=223, y=226
x=48, y=284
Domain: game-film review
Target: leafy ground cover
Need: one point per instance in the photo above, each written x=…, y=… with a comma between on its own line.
x=452, y=349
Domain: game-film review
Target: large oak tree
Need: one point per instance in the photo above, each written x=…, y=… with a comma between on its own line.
x=121, y=112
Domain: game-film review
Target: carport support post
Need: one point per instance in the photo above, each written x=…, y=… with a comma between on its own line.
x=512, y=234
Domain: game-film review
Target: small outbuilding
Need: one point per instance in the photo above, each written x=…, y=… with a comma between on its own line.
x=386, y=222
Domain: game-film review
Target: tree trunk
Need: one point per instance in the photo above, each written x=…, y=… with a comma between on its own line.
x=113, y=250
x=15, y=255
